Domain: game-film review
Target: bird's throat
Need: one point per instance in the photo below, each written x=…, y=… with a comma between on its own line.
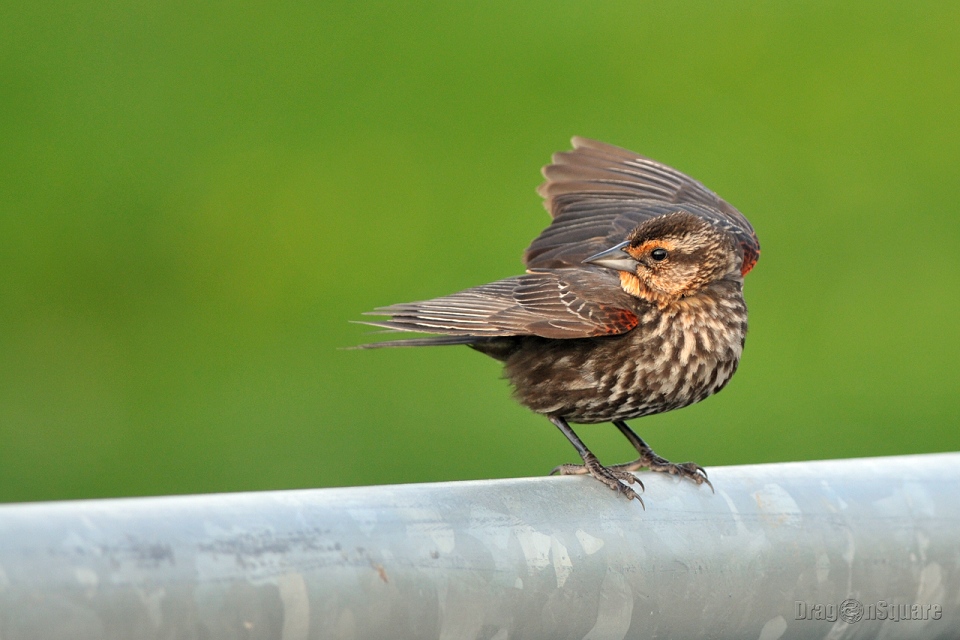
x=635, y=287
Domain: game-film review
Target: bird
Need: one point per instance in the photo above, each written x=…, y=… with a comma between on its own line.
x=631, y=304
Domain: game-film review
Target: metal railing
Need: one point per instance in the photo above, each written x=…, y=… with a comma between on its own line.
x=829, y=549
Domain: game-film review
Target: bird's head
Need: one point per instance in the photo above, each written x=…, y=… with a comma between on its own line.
x=671, y=257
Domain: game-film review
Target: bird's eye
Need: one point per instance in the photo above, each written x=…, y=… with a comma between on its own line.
x=659, y=254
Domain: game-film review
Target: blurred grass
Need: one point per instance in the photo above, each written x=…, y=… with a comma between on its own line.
x=196, y=198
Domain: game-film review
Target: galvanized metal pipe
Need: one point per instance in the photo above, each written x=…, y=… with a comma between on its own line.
x=772, y=554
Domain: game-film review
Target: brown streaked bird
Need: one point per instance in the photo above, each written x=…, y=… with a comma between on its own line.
x=632, y=303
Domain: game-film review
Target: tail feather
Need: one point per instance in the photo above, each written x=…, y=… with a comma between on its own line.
x=435, y=341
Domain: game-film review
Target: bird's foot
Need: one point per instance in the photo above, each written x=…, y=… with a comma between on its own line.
x=689, y=470
x=617, y=479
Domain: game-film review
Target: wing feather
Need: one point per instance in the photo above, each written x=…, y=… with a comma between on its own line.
x=597, y=193
x=565, y=303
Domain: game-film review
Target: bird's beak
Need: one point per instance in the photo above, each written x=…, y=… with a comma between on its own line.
x=614, y=258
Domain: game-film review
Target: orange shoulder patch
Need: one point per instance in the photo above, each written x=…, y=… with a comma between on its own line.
x=750, y=257
x=618, y=321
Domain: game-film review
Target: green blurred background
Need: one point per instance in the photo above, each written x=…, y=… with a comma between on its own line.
x=196, y=198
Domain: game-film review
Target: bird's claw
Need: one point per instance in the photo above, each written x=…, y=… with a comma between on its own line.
x=616, y=479
x=689, y=470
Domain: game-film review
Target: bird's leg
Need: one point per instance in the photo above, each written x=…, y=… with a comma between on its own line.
x=613, y=478
x=649, y=459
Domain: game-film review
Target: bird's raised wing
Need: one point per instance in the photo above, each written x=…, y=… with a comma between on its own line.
x=561, y=303
x=597, y=193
